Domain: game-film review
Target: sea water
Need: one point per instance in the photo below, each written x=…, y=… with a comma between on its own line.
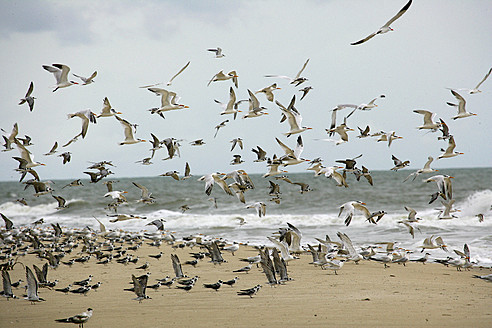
x=315, y=213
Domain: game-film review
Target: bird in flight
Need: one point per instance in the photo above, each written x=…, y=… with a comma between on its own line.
x=386, y=27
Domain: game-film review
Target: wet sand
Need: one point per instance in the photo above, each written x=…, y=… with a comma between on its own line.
x=364, y=295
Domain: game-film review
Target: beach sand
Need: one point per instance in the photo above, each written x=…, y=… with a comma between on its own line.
x=364, y=295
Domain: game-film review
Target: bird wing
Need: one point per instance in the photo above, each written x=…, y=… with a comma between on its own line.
x=483, y=80
x=302, y=69
x=32, y=284
x=399, y=14
x=179, y=72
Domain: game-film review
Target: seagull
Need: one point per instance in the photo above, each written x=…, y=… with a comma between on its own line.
x=231, y=282
x=217, y=51
x=430, y=243
x=250, y=291
x=273, y=166
x=171, y=80
x=86, y=80
x=28, y=98
x=260, y=208
x=26, y=155
x=221, y=76
x=349, y=209
x=60, y=72
x=128, y=129
x=268, y=91
x=7, y=285
x=139, y=287
x=444, y=130
x=87, y=117
x=215, y=178
x=187, y=172
x=449, y=152
x=305, y=91
x=255, y=110
x=462, y=113
x=61, y=202
x=446, y=213
x=159, y=223
x=386, y=27
x=297, y=80
x=237, y=141
x=364, y=133
x=425, y=169
x=292, y=156
x=260, y=153
x=283, y=248
x=146, y=196
x=341, y=130
x=231, y=106
x=244, y=269
x=476, y=90
x=53, y=149
x=293, y=117
x=78, y=319
x=67, y=156
x=169, y=101
x=197, y=142
x=107, y=110
x=443, y=184
x=214, y=286
x=428, y=120
x=32, y=287
x=398, y=163
x=220, y=125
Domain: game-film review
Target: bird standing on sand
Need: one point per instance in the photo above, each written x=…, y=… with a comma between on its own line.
x=78, y=319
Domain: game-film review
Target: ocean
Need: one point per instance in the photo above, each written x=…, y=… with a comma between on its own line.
x=314, y=213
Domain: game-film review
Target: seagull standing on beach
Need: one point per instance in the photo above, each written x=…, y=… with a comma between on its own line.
x=386, y=27
x=78, y=319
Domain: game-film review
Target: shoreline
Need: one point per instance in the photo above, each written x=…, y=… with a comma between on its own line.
x=367, y=294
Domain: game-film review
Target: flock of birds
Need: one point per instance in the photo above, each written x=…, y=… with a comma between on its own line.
x=287, y=243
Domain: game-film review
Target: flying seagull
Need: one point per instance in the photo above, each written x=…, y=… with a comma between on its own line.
x=386, y=27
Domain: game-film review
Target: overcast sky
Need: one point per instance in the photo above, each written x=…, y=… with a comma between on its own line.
x=435, y=45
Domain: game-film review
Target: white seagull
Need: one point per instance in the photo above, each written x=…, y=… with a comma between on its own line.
x=78, y=319
x=87, y=117
x=428, y=120
x=462, y=113
x=218, y=52
x=449, y=152
x=128, y=129
x=386, y=27
x=297, y=80
x=476, y=90
x=221, y=76
x=107, y=110
x=230, y=107
x=87, y=80
x=60, y=72
x=293, y=117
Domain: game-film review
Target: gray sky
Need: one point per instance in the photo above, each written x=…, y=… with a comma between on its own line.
x=434, y=45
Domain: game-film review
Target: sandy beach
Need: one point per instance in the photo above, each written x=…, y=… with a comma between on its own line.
x=364, y=295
